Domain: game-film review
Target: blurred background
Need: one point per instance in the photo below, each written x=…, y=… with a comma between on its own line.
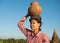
x=11, y=11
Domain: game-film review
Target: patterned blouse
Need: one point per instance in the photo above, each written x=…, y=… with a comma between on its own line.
x=31, y=38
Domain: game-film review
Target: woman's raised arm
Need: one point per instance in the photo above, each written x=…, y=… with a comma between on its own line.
x=20, y=25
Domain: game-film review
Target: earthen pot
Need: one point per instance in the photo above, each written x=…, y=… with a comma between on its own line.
x=34, y=9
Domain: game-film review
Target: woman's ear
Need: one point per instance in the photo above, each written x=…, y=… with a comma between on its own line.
x=39, y=24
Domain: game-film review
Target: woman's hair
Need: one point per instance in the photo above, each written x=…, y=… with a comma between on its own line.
x=37, y=18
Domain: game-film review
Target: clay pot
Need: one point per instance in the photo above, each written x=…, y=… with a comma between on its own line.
x=34, y=9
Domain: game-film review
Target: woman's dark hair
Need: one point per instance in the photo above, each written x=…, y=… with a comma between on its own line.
x=37, y=18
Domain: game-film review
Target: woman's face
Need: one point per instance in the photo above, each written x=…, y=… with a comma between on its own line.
x=34, y=25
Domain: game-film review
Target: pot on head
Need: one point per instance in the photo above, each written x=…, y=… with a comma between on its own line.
x=34, y=9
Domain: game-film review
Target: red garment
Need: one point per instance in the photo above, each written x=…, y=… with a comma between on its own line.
x=31, y=38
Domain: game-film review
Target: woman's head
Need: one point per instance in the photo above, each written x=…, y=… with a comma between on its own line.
x=35, y=22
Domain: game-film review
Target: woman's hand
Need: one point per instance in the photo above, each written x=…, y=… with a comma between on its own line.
x=23, y=19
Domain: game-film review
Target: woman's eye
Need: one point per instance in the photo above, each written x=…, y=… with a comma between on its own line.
x=33, y=23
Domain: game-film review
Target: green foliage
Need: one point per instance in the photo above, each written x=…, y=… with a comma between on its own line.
x=12, y=40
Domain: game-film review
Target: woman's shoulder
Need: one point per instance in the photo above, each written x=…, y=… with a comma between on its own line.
x=44, y=36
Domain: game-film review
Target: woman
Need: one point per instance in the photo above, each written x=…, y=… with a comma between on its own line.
x=35, y=36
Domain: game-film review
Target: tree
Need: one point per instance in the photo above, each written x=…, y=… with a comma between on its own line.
x=55, y=38
x=11, y=40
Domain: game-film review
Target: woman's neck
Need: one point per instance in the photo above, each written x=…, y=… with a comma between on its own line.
x=36, y=31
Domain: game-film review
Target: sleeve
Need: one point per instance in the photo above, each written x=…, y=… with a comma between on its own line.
x=24, y=30
x=45, y=39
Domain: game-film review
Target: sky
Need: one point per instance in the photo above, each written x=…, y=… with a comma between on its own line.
x=11, y=12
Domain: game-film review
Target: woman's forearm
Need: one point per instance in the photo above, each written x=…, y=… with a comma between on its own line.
x=20, y=25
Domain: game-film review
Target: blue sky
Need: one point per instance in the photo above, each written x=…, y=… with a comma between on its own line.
x=11, y=11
